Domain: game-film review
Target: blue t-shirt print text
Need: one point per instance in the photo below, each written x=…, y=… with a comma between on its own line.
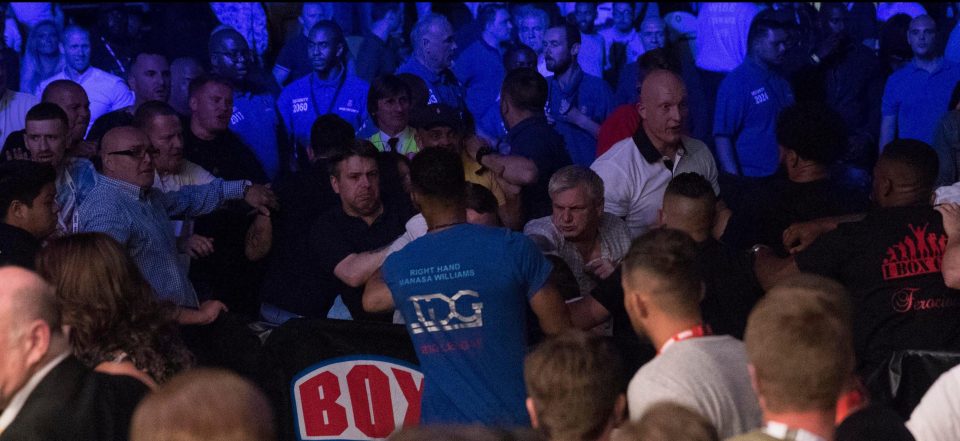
x=438, y=312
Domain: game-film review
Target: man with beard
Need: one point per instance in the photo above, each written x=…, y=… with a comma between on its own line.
x=254, y=119
x=330, y=88
x=149, y=78
x=592, y=59
x=578, y=101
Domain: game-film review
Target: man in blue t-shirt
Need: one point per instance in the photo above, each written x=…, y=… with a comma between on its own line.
x=749, y=100
x=253, y=118
x=577, y=101
x=433, y=46
x=917, y=95
x=463, y=291
x=330, y=88
x=480, y=67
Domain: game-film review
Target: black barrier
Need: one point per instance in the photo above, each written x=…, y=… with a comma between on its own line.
x=337, y=379
x=905, y=377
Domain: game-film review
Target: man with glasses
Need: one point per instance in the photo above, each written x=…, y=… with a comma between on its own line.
x=124, y=205
x=253, y=117
x=106, y=92
x=330, y=88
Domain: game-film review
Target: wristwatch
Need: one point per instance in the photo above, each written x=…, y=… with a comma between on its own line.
x=483, y=151
x=246, y=187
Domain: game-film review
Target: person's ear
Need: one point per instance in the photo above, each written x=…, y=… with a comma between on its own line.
x=533, y=413
x=619, y=410
x=37, y=341
x=335, y=184
x=311, y=155
x=17, y=210
x=574, y=49
x=886, y=186
x=340, y=48
x=641, y=109
x=194, y=104
x=660, y=217
x=756, y=385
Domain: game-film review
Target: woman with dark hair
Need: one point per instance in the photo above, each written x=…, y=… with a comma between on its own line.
x=116, y=326
x=946, y=141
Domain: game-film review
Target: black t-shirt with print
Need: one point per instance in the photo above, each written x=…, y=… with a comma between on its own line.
x=890, y=263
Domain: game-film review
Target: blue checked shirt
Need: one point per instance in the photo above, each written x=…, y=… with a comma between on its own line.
x=139, y=219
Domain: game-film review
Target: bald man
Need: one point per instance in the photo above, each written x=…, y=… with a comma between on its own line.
x=106, y=92
x=182, y=71
x=123, y=205
x=636, y=170
x=890, y=262
x=254, y=117
x=45, y=392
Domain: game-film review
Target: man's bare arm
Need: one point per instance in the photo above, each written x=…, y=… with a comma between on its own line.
x=355, y=269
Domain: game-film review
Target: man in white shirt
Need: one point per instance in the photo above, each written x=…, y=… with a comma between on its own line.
x=636, y=170
x=45, y=392
x=105, y=91
x=662, y=293
x=13, y=106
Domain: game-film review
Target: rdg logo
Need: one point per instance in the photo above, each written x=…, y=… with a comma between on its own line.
x=437, y=312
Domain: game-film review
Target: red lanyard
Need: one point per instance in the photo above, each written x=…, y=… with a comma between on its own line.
x=694, y=332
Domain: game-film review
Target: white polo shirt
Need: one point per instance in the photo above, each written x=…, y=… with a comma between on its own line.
x=635, y=177
x=106, y=91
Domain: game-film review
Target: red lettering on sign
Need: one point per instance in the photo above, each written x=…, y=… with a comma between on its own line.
x=366, y=379
x=322, y=416
x=411, y=392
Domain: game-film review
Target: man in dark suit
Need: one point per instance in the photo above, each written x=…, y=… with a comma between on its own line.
x=45, y=392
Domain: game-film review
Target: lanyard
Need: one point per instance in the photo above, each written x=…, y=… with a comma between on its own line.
x=694, y=332
x=113, y=54
x=783, y=432
x=336, y=94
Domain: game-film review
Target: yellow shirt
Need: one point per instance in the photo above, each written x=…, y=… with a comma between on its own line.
x=470, y=167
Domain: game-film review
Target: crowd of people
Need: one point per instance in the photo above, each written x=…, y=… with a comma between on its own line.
x=614, y=221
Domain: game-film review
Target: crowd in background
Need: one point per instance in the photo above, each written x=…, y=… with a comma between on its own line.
x=653, y=221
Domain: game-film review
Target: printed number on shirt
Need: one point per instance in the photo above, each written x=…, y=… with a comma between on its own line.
x=300, y=105
x=437, y=312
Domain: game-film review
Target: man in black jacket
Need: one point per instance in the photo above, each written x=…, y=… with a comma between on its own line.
x=45, y=392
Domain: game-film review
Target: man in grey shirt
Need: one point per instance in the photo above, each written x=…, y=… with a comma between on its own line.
x=707, y=373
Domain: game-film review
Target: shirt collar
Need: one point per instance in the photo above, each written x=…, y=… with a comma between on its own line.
x=126, y=188
x=646, y=148
x=783, y=432
x=940, y=67
x=20, y=398
x=404, y=135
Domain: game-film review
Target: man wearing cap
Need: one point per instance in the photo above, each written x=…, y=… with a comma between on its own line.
x=439, y=125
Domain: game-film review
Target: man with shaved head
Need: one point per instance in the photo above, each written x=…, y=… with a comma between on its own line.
x=73, y=100
x=636, y=170
x=254, y=118
x=45, y=392
x=917, y=95
x=106, y=92
x=124, y=205
x=149, y=78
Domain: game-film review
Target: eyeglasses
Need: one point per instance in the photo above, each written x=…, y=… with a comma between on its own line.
x=236, y=56
x=136, y=154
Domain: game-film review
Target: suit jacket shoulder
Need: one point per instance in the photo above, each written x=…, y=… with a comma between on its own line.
x=75, y=403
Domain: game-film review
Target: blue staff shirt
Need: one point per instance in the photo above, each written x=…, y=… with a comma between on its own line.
x=305, y=99
x=255, y=122
x=463, y=293
x=593, y=97
x=480, y=69
x=749, y=100
x=443, y=87
x=919, y=98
